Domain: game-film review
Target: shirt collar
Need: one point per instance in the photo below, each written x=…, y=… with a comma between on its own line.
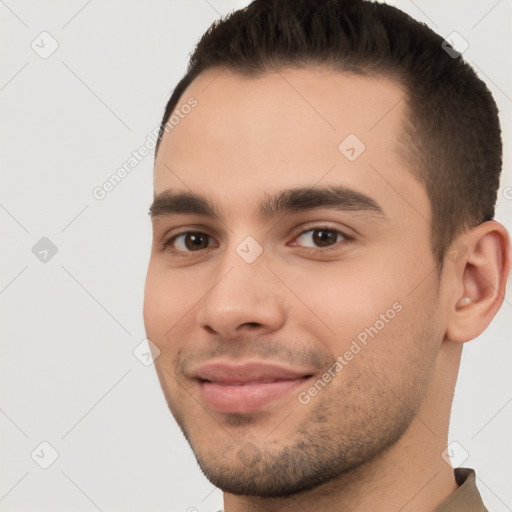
x=466, y=498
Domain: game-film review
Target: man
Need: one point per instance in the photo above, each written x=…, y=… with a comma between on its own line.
x=323, y=246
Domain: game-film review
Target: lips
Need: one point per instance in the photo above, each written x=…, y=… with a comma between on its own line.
x=223, y=373
x=248, y=387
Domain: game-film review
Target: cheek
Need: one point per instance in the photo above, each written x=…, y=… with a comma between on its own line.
x=155, y=299
x=163, y=308
x=168, y=297
x=341, y=300
x=374, y=302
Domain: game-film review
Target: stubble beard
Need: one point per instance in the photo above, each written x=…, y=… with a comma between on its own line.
x=320, y=450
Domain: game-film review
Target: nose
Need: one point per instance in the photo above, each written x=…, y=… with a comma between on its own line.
x=245, y=299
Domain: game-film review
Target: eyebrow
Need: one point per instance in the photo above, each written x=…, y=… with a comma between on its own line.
x=288, y=201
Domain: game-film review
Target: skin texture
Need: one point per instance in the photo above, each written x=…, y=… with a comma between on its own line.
x=373, y=437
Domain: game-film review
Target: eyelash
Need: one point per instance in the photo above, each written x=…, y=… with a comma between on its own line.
x=167, y=245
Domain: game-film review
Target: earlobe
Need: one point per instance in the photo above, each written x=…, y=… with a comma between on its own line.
x=480, y=277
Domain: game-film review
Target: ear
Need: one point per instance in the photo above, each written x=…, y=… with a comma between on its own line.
x=479, y=278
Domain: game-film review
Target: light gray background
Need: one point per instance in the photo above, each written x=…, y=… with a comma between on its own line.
x=69, y=326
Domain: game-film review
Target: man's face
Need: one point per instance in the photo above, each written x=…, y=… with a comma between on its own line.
x=277, y=280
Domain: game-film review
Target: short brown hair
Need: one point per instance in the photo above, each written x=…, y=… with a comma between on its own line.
x=452, y=134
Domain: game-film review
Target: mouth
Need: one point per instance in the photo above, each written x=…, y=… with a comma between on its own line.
x=246, y=388
x=246, y=397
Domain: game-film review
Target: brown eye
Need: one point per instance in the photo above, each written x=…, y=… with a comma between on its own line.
x=195, y=241
x=320, y=237
x=191, y=241
x=325, y=237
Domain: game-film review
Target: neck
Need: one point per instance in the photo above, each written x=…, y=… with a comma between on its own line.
x=410, y=476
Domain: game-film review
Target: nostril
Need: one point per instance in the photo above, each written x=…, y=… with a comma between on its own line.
x=252, y=324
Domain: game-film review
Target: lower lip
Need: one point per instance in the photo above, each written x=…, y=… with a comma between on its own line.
x=248, y=397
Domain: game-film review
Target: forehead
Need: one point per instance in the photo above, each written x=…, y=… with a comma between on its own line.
x=246, y=136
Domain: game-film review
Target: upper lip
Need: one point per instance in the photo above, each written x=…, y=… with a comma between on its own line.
x=226, y=373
